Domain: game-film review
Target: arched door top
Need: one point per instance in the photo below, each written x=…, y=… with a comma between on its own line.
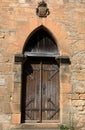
x=40, y=43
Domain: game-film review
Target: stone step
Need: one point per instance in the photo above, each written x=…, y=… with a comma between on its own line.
x=37, y=127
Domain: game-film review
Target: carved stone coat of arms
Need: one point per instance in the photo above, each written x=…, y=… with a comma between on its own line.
x=42, y=10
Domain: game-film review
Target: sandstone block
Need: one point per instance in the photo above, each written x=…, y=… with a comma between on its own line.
x=82, y=96
x=6, y=67
x=7, y=109
x=79, y=102
x=21, y=1
x=5, y=118
x=2, y=82
x=16, y=98
x=80, y=108
x=75, y=96
x=66, y=88
x=15, y=108
x=80, y=89
x=1, y=107
x=16, y=118
x=79, y=76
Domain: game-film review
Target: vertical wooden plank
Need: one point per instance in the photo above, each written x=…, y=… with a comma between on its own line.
x=51, y=92
x=46, y=91
x=40, y=91
x=35, y=90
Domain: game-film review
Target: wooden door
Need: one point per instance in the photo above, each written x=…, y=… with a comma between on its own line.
x=42, y=90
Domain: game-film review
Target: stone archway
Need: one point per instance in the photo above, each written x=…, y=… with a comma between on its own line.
x=64, y=82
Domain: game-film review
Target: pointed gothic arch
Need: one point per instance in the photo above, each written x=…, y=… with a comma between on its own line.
x=41, y=42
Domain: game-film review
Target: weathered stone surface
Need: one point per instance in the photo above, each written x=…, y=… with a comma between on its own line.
x=15, y=108
x=82, y=96
x=79, y=76
x=79, y=102
x=66, y=23
x=6, y=68
x=16, y=118
x=65, y=76
x=80, y=108
x=79, y=87
x=2, y=81
x=39, y=126
x=5, y=59
x=1, y=126
x=75, y=96
x=16, y=97
x=1, y=107
x=66, y=88
x=5, y=118
x=7, y=109
x=21, y=1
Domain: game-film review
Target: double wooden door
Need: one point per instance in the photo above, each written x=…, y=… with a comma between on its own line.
x=42, y=90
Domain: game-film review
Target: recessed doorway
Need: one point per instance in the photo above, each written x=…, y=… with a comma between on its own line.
x=40, y=79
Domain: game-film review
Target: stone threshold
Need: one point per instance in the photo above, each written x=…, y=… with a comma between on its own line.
x=38, y=126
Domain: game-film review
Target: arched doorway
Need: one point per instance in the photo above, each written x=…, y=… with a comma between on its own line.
x=40, y=78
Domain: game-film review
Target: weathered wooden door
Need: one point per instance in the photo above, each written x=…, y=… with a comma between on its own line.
x=41, y=90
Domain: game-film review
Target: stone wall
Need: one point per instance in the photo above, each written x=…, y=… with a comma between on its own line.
x=66, y=22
